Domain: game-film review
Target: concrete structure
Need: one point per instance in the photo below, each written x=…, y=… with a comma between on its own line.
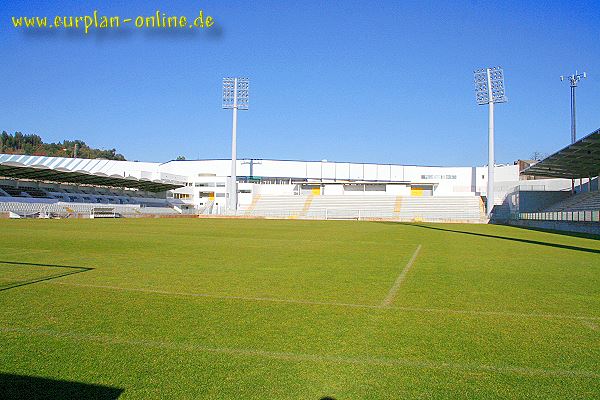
x=207, y=179
x=204, y=182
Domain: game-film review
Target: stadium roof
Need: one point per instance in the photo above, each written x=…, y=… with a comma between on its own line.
x=578, y=160
x=26, y=169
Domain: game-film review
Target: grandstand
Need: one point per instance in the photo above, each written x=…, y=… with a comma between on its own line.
x=399, y=208
x=33, y=186
x=270, y=188
x=339, y=190
x=577, y=209
x=587, y=201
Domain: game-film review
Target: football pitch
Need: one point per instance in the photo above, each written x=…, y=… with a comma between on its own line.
x=265, y=309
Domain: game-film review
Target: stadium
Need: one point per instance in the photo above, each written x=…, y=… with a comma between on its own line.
x=227, y=302
x=409, y=264
x=536, y=194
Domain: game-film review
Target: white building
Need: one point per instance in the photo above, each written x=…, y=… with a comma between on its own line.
x=299, y=188
x=205, y=180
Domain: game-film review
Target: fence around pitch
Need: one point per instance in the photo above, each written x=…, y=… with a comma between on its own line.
x=566, y=216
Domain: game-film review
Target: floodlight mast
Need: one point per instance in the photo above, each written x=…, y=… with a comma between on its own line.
x=235, y=96
x=489, y=89
x=573, y=80
x=491, y=155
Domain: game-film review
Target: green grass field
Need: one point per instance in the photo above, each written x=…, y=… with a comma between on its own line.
x=257, y=309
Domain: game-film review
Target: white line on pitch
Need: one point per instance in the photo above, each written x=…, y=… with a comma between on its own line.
x=394, y=289
x=217, y=296
x=327, y=303
x=302, y=357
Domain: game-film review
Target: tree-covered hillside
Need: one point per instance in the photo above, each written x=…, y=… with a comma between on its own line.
x=34, y=145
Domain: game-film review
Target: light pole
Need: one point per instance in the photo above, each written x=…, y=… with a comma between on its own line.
x=573, y=80
x=489, y=89
x=235, y=96
x=252, y=163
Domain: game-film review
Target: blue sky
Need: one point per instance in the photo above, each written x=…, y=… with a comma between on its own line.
x=387, y=81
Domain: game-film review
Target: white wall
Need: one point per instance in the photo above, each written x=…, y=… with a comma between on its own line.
x=269, y=190
x=397, y=190
x=333, y=190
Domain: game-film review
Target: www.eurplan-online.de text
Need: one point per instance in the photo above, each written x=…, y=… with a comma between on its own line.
x=158, y=20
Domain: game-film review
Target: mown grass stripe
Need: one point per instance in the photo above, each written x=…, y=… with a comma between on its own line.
x=335, y=304
x=302, y=357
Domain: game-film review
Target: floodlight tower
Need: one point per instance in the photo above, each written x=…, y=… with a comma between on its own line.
x=235, y=96
x=573, y=79
x=489, y=89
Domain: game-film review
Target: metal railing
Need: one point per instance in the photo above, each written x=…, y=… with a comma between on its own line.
x=568, y=216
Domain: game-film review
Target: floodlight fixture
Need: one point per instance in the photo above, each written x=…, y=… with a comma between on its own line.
x=486, y=79
x=235, y=93
x=235, y=97
x=573, y=80
x=489, y=89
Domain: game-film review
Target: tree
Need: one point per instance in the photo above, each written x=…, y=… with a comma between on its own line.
x=34, y=145
x=180, y=158
x=538, y=155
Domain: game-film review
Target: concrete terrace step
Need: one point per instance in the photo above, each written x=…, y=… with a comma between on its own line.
x=578, y=202
x=368, y=206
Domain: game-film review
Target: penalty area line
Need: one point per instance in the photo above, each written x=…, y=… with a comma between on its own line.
x=507, y=314
x=396, y=286
x=217, y=296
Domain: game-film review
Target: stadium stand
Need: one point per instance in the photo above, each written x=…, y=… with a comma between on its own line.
x=12, y=191
x=54, y=186
x=401, y=208
x=578, y=202
x=32, y=192
x=579, y=212
x=66, y=210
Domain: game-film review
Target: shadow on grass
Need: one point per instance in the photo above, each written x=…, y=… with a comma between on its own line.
x=563, y=233
x=15, y=387
x=43, y=265
x=71, y=271
x=529, y=241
